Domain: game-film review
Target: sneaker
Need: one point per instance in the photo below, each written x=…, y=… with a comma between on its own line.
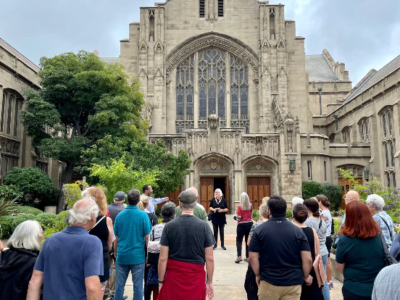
x=330, y=284
x=223, y=247
x=215, y=247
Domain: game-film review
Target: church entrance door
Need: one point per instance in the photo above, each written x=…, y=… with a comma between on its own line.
x=207, y=187
x=258, y=188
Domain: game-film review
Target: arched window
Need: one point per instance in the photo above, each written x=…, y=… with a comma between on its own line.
x=388, y=143
x=363, y=126
x=346, y=135
x=214, y=76
x=10, y=106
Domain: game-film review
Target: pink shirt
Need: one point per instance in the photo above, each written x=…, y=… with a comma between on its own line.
x=244, y=214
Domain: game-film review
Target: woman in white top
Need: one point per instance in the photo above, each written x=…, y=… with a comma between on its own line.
x=324, y=205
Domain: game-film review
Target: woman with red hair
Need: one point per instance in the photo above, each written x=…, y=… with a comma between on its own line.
x=359, y=255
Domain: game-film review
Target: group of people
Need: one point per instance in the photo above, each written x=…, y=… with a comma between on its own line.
x=174, y=259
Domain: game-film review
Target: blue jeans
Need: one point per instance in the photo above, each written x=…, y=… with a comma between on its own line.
x=325, y=291
x=122, y=272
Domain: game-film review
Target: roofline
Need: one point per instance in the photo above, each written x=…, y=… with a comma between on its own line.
x=19, y=55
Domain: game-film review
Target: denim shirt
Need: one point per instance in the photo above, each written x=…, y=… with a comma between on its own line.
x=387, y=232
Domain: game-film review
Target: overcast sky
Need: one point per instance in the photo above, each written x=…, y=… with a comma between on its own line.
x=364, y=34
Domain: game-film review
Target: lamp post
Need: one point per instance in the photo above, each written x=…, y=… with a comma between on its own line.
x=366, y=174
x=320, y=100
x=292, y=165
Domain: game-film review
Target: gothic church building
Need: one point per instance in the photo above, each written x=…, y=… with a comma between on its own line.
x=228, y=81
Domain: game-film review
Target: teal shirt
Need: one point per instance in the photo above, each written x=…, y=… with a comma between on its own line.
x=363, y=259
x=131, y=226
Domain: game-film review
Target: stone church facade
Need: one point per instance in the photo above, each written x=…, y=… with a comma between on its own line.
x=228, y=81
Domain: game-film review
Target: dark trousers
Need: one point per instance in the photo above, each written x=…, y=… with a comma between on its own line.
x=350, y=296
x=242, y=230
x=221, y=233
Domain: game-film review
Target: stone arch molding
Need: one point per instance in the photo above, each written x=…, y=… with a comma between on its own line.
x=260, y=163
x=213, y=161
x=211, y=39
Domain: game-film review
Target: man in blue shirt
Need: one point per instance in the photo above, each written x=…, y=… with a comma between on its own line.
x=70, y=261
x=131, y=228
x=147, y=191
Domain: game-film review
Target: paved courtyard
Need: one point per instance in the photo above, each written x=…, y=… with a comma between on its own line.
x=228, y=276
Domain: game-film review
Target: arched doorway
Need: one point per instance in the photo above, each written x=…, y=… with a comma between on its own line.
x=260, y=178
x=214, y=171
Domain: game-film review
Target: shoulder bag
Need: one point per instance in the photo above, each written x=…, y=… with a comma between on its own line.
x=389, y=259
x=390, y=232
x=319, y=268
x=97, y=223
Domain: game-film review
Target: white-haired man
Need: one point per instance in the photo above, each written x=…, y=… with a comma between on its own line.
x=71, y=261
x=198, y=210
x=375, y=205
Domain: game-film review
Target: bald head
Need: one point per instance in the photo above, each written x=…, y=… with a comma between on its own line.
x=83, y=211
x=194, y=191
x=351, y=196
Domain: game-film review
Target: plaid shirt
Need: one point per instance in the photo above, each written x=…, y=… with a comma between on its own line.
x=386, y=228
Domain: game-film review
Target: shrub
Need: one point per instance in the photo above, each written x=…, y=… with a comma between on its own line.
x=72, y=191
x=289, y=214
x=46, y=220
x=21, y=218
x=311, y=189
x=10, y=192
x=5, y=223
x=31, y=181
x=334, y=194
x=255, y=215
x=26, y=210
x=60, y=223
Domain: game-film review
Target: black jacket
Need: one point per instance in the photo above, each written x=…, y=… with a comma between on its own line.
x=16, y=268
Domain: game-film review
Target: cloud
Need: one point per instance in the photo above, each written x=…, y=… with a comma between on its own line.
x=363, y=34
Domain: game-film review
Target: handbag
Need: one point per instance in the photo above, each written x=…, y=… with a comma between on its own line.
x=210, y=216
x=389, y=259
x=319, y=266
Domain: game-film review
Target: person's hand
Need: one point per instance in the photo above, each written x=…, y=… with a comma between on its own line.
x=258, y=280
x=309, y=280
x=160, y=286
x=166, y=198
x=210, y=291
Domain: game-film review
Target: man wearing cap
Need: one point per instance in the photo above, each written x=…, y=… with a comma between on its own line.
x=186, y=245
x=118, y=205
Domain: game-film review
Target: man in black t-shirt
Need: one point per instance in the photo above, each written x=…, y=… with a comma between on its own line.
x=186, y=245
x=279, y=255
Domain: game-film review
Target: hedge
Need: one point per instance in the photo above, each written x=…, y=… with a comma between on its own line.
x=9, y=223
x=26, y=210
x=332, y=191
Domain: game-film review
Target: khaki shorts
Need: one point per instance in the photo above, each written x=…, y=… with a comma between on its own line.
x=267, y=291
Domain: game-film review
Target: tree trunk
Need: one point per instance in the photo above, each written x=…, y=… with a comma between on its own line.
x=66, y=178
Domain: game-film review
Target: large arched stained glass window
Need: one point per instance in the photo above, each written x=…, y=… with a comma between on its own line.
x=213, y=67
x=212, y=72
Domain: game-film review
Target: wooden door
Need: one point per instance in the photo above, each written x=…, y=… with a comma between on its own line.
x=206, y=191
x=258, y=188
x=173, y=196
x=347, y=185
x=227, y=191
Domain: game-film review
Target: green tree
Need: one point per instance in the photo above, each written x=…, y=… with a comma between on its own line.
x=142, y=157
x=334, y=194
x=34, y=182
x=82, y=100
x=118, y=177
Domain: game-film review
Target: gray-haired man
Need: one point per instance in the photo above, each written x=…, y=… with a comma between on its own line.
x=71, y=261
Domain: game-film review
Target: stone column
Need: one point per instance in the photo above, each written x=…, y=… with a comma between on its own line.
x=228, y=89
x=171, y=103
x=196, y=110
x=252, y=103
